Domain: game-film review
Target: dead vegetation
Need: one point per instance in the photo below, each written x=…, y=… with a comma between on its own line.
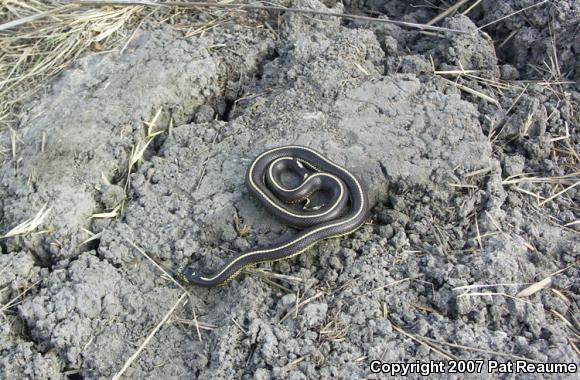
x=38, y=39
x=29, y=226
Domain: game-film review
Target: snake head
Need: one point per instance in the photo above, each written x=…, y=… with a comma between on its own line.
x=186, y=273
x=189, y=275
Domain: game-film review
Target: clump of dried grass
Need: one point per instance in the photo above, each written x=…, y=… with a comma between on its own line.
x=28, y=226
x=38, y=39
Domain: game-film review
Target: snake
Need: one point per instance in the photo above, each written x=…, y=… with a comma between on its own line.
x=343, y=206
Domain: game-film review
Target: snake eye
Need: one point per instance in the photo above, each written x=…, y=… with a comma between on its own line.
x=188, y=272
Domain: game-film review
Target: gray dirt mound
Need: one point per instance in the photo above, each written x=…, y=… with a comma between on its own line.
x=65, y=153
x=57, y=166
x=435, y=160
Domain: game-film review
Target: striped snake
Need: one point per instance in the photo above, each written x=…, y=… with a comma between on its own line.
x=346, y=210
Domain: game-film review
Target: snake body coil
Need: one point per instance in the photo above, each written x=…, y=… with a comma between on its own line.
x=345, y=210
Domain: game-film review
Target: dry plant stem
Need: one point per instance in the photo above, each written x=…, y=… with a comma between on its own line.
x=492, y=294
x=278, y=276
x=514, y=13
x=534, y=288
x=471, y=7
x=196, y=323
x=382, y=287
x=141, y=251
x=269, y=8
x=300, y=305
x=29, y=225
x=452, y=9
x=566, y=178
x=482, y=350
x=446, y=355
x=12, y=302
x=559, y=193
x=479, y=242
x=149, y=337
x=34, y=17
x=239, y=326
x=564, y=320
x=202, y=325
x=473, y=92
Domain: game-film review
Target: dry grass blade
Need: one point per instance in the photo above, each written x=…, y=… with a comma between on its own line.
x=239, y=326
x=92, y=238
x=536, y=287
x=477, y=286
x=335, y=330
x=13, y=142
x=141, y=251
x=492, y=294
x=31, y=18
x=478, y=236
x=276, y=276
x=296, y=361
x=471, y=91
x=242, y=230
x=559, y=193
x=382, y=287
x=471, y=7
x=566, y=322
x=514, y=13
x=455, y=72
x=151, y=125
x=482, y=350
x=452, y=9
x=419, y=340
x=29, y=225
x=137, y=153
x=107, y=215
x=570, y=180
x=13, y=301
x=301, y=305
x=202, y=325
x=149, y=337
x=524, y=177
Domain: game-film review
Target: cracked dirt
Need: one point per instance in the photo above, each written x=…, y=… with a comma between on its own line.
x=461, y=184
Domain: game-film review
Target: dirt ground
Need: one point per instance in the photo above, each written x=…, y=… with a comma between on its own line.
x=467, y=140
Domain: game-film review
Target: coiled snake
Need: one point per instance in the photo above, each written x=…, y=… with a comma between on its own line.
x=346, y=210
